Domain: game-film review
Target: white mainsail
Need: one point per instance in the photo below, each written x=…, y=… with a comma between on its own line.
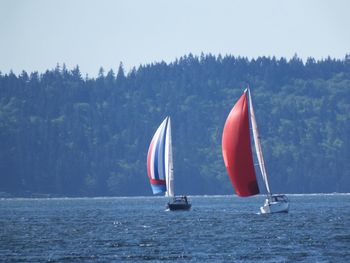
x=169, y=160
x=257, y=144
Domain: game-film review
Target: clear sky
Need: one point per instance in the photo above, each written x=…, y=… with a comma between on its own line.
x=35, y=35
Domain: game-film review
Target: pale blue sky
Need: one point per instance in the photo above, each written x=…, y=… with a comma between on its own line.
x=35, y=35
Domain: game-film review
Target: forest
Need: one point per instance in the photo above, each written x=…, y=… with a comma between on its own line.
x=65, y=134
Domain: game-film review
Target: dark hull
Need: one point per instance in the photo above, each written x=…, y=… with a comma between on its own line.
x=176, y=206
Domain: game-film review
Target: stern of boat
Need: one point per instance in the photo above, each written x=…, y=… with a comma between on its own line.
x=275, y=204
x=179, y=203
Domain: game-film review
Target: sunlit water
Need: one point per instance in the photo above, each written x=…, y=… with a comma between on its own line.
x=217, y=229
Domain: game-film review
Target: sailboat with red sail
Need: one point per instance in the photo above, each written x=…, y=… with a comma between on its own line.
x=238, y=156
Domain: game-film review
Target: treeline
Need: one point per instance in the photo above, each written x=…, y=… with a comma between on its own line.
x=62, y=134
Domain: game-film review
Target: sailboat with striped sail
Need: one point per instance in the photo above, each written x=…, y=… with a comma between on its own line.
x=238, y=157
x=160, y=169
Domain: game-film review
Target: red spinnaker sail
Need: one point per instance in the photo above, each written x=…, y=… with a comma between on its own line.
x=237, y=151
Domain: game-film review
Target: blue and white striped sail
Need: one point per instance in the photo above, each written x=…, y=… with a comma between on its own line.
x=160, y=161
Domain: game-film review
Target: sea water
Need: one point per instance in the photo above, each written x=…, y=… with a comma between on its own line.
x=138, y=229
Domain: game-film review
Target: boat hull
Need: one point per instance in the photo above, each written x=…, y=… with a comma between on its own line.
x=275, y=204
x=174, y=207
x=179, y=203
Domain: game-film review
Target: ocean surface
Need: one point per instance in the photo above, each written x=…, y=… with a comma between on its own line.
x=138, y=229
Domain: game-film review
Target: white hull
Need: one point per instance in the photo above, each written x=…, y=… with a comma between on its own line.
x=275, y=205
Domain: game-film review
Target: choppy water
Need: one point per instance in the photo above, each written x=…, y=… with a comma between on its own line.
x=217, y=229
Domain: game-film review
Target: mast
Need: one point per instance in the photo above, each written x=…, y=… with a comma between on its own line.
x=257, y=144
x=169, y=160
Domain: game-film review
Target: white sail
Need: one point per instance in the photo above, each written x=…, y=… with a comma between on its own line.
x=258, y=145
x=169, y=160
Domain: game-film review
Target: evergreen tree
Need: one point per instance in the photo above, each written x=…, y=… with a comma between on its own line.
x=62, y=135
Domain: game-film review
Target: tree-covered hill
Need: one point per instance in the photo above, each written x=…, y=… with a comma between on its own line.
x=64, y=134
